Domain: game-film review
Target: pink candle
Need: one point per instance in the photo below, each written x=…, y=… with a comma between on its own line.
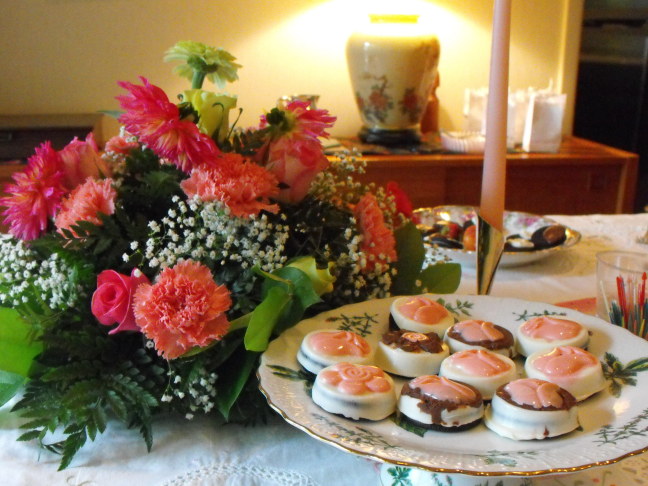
x=494, y=174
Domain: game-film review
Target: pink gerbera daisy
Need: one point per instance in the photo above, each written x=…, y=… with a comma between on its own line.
x=156, y=121
x=378, y=241
x=35, y=195
x=185, y=308
x=86, y=202
x=303, y=121
x=242, y=185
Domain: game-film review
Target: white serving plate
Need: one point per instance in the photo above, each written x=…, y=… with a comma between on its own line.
x=613, y=422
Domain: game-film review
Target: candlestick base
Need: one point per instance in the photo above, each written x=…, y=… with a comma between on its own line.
x=490, y=245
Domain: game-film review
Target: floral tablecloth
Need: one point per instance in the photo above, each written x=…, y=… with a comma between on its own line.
x=196, y=453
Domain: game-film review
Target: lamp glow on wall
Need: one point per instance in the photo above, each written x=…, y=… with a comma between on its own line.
x=392, y=63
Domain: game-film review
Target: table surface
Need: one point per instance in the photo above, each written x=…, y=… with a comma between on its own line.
x=197, y=453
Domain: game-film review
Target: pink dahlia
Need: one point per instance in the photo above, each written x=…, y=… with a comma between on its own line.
x=35, y=196
x=86, y=202
x=294, y=153
x=82, y=160
x=304, y=121
x=378, y=241
x=243, y=186
x=185, y=308
x=156, y=121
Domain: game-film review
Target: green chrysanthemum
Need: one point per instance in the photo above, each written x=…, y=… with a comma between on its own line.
x=202, y=61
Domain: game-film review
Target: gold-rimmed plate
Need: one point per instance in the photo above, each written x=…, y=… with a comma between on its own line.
x=515, y=223
x=613, y=422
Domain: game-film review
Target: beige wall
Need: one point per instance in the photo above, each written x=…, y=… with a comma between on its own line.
x=65, y=56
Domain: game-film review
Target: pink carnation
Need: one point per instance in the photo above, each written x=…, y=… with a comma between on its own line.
x=86, y=202
x=185, y=308
x=82, y=160
x=378, y=241
x=35, y=196
x=242, y=185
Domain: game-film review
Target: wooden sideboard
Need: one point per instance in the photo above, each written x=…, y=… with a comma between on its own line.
x=21, y=134
x=584, y=177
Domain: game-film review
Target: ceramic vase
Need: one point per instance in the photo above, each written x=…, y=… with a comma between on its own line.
x=393, y=65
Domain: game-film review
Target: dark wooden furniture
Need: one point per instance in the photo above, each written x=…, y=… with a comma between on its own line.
x=584, y=177
x=21, y=134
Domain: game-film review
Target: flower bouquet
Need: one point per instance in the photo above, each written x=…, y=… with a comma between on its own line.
x=148, y=277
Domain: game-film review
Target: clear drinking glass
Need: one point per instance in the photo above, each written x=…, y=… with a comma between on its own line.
x=621, y=288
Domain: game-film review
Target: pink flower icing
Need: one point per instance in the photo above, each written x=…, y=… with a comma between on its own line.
x=423, y=310
x=550, y=329
x=473, y=330
x=479, y=362
x=356, y=379
x=564, y=361
x=414, y=336
x=339, y=343
x=443, y=388
x=536, y=393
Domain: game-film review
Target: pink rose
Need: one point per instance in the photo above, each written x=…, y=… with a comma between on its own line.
x=113, y=300
x=295, y=162
x=82, y=160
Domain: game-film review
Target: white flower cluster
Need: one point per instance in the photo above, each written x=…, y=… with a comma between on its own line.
x=354, y=282
x=338, y=183
x=25, y=277
x=206, y=231
x=197, y=392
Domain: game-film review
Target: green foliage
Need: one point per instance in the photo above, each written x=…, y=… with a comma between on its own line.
x=84, y=376
x=244, y=142
x=317, y=229
x=148, y=186
x=17, y=347
x=10, y=384
x=409, y=247
x=411, y=276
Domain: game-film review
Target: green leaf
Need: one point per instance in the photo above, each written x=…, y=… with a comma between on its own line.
x=442, y=278
x=27, y=436
x=71, y=446
x=17, y=348
x=264, y=318
x=411, y=253
x=233, y=381
x=640, y=364
x=301, y=291
x=10, y=384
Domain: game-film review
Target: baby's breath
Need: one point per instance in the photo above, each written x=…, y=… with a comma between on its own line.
x=25, y=277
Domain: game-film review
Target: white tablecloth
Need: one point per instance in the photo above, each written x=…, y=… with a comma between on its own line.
x=196, y=453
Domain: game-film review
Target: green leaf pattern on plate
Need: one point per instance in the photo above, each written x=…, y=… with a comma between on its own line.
x=620, y=375
x=612, y=435
x=356, y=434
x=359, y=324
x=525, y=315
